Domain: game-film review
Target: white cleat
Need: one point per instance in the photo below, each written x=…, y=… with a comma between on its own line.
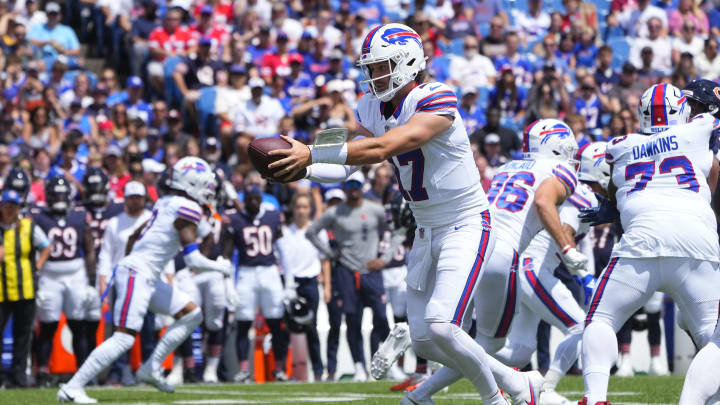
x=74, y=395
x=145, y=374
x=624, y=366
x=395, y=374
x=658, y=366
x=393, y=347
x=551, y=397
x=176, y=373
x=210, y=375
x=529, y=395
x=410, y=399
x=360, y=373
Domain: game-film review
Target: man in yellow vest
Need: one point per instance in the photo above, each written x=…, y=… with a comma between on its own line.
x=25, y=248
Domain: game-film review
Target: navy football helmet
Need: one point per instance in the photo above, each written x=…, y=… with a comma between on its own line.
x=57, y=194
x=703, y=96
x=96, y=185
x=18, y=181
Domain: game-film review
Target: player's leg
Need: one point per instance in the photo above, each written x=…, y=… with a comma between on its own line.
x=348, y=283
x=93, y=312
x=246, y=287
x=133, y=290
x=308, y=289
x=625, y=285
x=653, y=310
x=212, y=290
x=169, y=300
x=75, y=307
x=520, y=343
x=49, y=299
x=271, y=305
x=372, y=293
x=333, y=338
x=701, y=380
x=184, y=361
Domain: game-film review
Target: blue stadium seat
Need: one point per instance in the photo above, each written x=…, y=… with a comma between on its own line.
x=205, y=107
x=620, y=50
x=456, y=46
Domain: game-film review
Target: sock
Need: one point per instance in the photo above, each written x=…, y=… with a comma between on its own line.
x=654, y=350
x=420, y=365
x=599, y=353
x=102, y=357
x=212, y=361
x=45, y=337
x=280, y=340
x=552, y=378
x=175, y=334
x=511, y=381
x=624, y=348
x=188, y=362
x=702, y=379
x=77, y=328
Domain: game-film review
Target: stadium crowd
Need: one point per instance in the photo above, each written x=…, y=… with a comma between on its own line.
x=127, y=88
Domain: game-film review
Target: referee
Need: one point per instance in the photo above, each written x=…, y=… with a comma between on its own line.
x=357, y=225
x=21, y=240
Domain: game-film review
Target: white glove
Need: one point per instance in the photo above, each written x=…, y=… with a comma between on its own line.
x=225, y=266
x=290, y=293
x=233, y=299
x=574, y=260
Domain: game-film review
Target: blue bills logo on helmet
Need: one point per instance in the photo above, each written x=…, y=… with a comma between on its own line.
x=400, y=36
x=196, y=166
x=560, y=130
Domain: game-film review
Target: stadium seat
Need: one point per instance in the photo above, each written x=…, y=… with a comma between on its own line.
x=620, y=50
x=456, y=46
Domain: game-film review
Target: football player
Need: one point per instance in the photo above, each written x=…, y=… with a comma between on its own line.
x=253, y=232
x=172, y=226
x=417, y=127
x=660, y=186
x=19, y=181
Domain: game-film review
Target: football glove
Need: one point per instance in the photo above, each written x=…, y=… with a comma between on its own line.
x=588, y=283
x=574, y=260
x=225, y=266
x=233, y=299
x=605, y=212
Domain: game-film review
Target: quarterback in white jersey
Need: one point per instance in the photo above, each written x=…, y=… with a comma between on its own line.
x=418, y=128
x=172, y=227
x=670, y=244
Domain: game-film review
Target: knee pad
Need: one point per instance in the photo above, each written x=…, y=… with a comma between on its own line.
x=192, y=319
x=123, y=340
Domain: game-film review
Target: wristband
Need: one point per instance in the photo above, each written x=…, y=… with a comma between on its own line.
x=566, y=249
x=336, y=154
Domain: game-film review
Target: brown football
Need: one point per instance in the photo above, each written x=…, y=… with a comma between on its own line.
x=258, y=152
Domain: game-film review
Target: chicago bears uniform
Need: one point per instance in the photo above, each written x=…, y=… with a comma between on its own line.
x=669, y=243
x=394, y=274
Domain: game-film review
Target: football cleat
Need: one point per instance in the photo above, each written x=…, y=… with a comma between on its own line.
x=624, y=366
x=360, y=373
x=413, y=381
x=528, y=396
x=585, y=402
x=551, y=397
x=280, y=376
x=156, y=379
x=396, y=374
x=242, y=377
x=393, y=347
x=410, y=399
x=658, y=367
x=74, y=395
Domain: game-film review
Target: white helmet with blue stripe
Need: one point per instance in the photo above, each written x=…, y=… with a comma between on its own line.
x=593, y=166
x=195, y=177
x=661, y=106
x=401, y=48
x=549, y=139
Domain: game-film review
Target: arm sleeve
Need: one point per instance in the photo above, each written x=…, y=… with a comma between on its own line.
x=330, y=173
x=40, y=239
x=313, y=231
x=104, y=264
x=196, y=261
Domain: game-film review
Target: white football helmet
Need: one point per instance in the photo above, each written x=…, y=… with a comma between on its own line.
x=593, y=166
x=401, y=48
x=195, y=177
x=661, y=106
x=549, y=139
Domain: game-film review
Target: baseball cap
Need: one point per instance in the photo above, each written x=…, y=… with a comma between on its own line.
x=468, y=90
x=113, y=150
x=173, y=114
x=335, y=85
x=256, y=82
x=307, y=35
x=152, y=166
x=355, y=180
x=205, y=41
x=334, y=193
x=281, y=36
x=206, y=9
x=253, y=189
x=237, y=69
x=52, y=7
x=134, y=188
x=492, y=139
x=134, y=81
x=336, y=54
x=10, y=196
x=295, y=57
x=211, y=142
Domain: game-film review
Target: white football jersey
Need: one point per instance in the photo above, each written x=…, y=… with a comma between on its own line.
x=439, y=180
x=511, y=195
x=543, y=248
x=159, y=241
x=662, y=192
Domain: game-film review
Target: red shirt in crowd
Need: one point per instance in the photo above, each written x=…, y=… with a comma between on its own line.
x=223, y=12
x=176, y=43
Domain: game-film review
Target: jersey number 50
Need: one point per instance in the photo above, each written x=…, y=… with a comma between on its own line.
x=513, y=197
x=258, y=240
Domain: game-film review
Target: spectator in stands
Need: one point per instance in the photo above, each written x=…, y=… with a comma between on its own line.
x=30, y=15
x=579, y=13
x=140, y=30
x=510, y=143
x=38, y=130
x=549, y=57
x=54, y=39
x=206, y=27
x=484, y=11
x=473, y=117
x=195, y=72
x=281, y=23
x=585, y=49
x=590, y=103
x=661, y=47
x=605, y=76
x=688, y=10
x=511, y=98
x=646, y=73
x=299, y=85
x=380, y=184
x=442, y=10
x=459, y=25
x=685, y=69
x=633, y=20
x=708, y=62
x=532, y=23
x=566, y=50
x=80, y=92
x=112, y=21
x=616, y=127
x=323, y=28
x=687, y=41
x=628, y=90
x=492, y=150
x=172, y=39
x=472, y=68
x=521, y=66
x=577, y=123
x=493, y=45
x=373, y=11
x=336, y=68
x=548, y=93
x=260, y=115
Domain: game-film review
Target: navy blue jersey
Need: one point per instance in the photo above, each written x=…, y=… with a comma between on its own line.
x=254, y=238
x=604, y=237
x=66, y=233
x=400, y=253
x=591, y=110
x=98, y=218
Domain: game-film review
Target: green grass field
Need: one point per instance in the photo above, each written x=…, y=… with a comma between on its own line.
x=636, y=390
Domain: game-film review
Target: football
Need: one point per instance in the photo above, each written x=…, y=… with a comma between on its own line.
x=258, y=152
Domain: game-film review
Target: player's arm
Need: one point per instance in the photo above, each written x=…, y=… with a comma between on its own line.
x=90, y=257
x=41, y=244
x=418, y=131
x=313, y=233
x=326, y=273
x=228, y=241
x=187, y=232
x=133, y=237
x=713, y=176
x=551, y=194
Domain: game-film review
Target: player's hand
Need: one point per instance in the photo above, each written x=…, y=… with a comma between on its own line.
x=291, y=160
x=605, y=212
x=225, y=266
x=233, y=299
x=574, y=260
x=290, y=293
x=588, y=283
x=375, y=264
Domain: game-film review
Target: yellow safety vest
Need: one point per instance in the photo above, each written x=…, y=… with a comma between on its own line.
x=18, y=268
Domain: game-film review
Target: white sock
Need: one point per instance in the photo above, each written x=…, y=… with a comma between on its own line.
x=552, y=378
x=212, y=362
x=173, y=337
x=599, y=352
x=442, y=378
x=702, y=379
x=101, y=357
